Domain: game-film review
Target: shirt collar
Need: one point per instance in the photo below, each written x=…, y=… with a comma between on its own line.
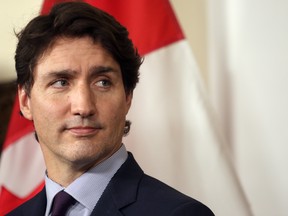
x=88, y=188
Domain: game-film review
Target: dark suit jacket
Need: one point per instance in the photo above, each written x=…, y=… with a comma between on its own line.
x=131, y=193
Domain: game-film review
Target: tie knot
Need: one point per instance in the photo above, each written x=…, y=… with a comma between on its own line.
x=62, y=201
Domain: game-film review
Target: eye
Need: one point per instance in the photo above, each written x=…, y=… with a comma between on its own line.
x=60, y=83
x=104, y=83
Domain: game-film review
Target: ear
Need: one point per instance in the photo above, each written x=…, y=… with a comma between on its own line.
x=24, y=103
x=129, y=97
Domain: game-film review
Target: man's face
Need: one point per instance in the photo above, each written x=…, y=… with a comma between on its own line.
x=77, y=103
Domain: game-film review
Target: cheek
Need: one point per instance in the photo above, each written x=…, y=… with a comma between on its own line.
x=115, y=114
x=46, y=112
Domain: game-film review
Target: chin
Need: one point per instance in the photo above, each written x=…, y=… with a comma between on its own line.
x=86, y=158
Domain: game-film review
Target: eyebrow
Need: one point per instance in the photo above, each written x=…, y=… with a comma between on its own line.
x=60, y=73
x=101, y=70
x=93, y=71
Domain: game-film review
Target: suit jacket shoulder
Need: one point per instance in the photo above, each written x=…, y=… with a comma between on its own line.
x=131, y=192
x=33, y=207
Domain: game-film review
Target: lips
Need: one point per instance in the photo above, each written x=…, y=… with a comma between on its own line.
x=84, y=131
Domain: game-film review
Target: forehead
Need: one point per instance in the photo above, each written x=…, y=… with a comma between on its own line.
x=74, y=52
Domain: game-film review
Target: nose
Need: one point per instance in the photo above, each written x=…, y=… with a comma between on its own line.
x=83, y=101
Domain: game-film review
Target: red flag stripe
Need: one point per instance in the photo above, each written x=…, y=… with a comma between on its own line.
x=18, y=126
x=151, y=25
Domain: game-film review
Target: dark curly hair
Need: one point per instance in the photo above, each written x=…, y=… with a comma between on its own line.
x=75, y=20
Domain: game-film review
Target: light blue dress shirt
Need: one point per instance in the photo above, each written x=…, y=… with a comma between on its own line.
x=88, y=188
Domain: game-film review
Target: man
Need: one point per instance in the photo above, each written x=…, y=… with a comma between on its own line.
x=77, y=70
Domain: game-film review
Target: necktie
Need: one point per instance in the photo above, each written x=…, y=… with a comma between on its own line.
x=62, y=201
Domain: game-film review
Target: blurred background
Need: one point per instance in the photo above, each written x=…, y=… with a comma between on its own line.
x=241, y=49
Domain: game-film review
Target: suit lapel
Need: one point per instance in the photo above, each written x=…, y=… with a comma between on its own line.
x=121, y=191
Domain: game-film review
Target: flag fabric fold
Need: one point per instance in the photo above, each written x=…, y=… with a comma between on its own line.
x=22, y=165
x=174, y=134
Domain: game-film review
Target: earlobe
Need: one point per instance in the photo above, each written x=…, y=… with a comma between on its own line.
x=24, y=103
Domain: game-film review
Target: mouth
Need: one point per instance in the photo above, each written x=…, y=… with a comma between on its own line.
x=81, y=131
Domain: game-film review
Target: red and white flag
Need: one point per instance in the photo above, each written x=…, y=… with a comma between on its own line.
x=22, y=165
x=174, y=136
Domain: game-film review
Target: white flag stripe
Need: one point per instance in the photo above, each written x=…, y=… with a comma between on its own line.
x=22, y=166
x=173, y=134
